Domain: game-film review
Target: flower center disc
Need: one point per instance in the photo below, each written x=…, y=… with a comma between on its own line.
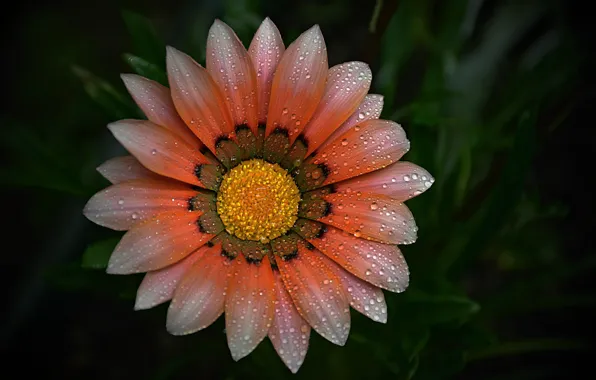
x=258, y=201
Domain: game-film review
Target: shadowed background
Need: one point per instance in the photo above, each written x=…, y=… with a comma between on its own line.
x=493, y=96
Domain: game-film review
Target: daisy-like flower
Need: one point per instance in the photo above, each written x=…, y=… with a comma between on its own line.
x=265, y=187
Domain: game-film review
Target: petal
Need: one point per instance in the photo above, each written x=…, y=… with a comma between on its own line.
x=363, y=296
x=200, y=297
x=298, y=84
x=121, y=206
x=400, y=181
x=289, y=333
x=369, y=146
x=380, y=264
x=120, y=169
x=156, y=103
x=371, y=216
x=231, y=68
x=265, y=50
x=317, y=294
x=158, y=286
x=198, y=100
x=161, y=241
x=370, y=108
x=347, y=85
x=249, y=305
x=159, y=149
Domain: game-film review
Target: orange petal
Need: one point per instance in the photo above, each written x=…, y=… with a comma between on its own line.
x=289, y=333
x=370, y=108
x=158, y=286
x=121, y=206
x=367, y=147
x=156, y=103
x=298, y=84
x=364, y=297
x=400, y=181
x=120, y=169
x=371, y=216
x=161, y=241
x=249, y=305
x=347, y=85
x=197, y=98
x=380, y=264
x=231, y=68
x=317, y=294
x=200, y=297
x=159, y=149
x=266, y=50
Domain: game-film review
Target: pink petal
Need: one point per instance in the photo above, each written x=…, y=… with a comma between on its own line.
x=159, y=149
x=380, y=264
x=121, y=206
x=158, y=286
x=364, y=297
x=249, y=305
x=317, y=294
x=347, y=85
x=156, y=103
x=400, y=181
x=298, y=84
x=289, y=333
x=120, y=169
x=197, y=98
x=367, y=147
x=199, y=298
x=266, y=50
x=371, y=216
x=231, y=68
x=370, y=108
x=161, y=241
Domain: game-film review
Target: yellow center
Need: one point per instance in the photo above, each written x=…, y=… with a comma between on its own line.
x=258, y=201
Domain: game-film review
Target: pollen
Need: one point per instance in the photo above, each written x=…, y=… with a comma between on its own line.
x=258, y=201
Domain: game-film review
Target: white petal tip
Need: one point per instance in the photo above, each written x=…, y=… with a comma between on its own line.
x=268, y=24
x=128, y=77
x=144, y=304
x=217, y=23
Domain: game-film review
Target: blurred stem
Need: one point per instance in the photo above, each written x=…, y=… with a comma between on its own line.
x=464, y=175
x=372, y=27
x=515, y=348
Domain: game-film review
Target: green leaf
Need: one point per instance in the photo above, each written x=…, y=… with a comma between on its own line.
x=97, y=255
x=72, y=277
x=397, y=44
x=506, y=193
x=114, y=102
x=516, y=348
x=146, y=69
x=146, y=42
x=429, y=309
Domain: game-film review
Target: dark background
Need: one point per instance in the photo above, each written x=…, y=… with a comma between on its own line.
x=497, y=98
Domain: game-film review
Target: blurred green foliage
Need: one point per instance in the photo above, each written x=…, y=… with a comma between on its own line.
x=473, y=88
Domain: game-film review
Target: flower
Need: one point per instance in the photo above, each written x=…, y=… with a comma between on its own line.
x=264, y=186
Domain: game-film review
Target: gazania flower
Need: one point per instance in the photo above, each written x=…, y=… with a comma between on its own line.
x=264, y=187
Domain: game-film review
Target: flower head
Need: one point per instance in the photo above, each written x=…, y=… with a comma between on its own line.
x=265, y=187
